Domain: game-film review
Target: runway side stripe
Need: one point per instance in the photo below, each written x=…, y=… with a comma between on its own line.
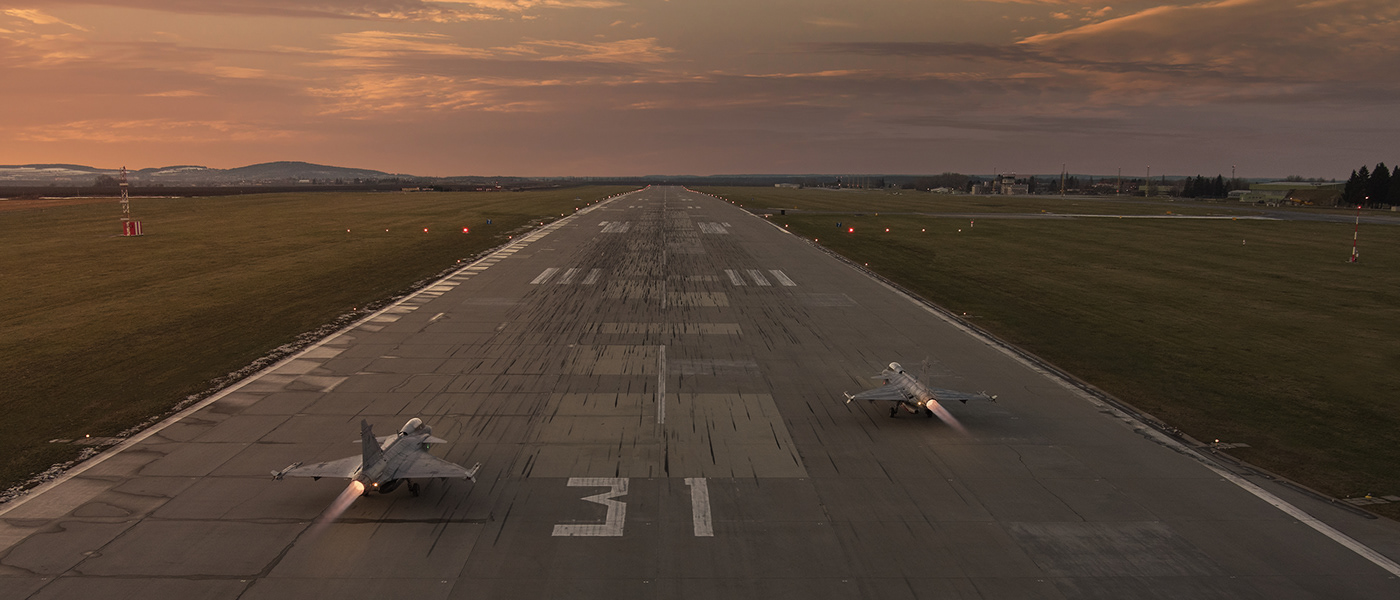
x=142, y=436
x=1302, y=516
x=782, y=278
x=543, y=277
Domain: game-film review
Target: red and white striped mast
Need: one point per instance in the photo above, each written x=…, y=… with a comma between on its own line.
x=129, y=227
x=1355, y=230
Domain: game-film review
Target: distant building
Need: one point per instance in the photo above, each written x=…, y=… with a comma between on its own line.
x=1292, y=192
x=1006, y=185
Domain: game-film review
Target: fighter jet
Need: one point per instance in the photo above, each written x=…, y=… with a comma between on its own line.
x=914, y=396
x=387, y=461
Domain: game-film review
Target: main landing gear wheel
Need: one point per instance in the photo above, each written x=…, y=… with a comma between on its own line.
x=894, y=410
x=413, y=488
x=928, y=413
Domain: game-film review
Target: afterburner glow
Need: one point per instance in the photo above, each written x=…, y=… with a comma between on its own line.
x=338, y=507
x=945, y=416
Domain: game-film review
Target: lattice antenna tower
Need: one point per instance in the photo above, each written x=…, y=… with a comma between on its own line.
x=126, y=199
x=130, y=227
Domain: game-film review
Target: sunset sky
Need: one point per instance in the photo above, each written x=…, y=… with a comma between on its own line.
x=636, y=87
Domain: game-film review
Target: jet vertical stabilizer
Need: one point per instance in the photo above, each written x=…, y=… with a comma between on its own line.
x=371, y=450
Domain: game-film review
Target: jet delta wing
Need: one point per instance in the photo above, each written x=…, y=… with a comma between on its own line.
x=387, y=461
x=914, y=397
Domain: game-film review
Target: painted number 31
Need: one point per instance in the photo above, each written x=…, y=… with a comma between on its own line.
x=617, y=510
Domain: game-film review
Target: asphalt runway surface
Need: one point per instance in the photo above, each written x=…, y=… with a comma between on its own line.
x=654, y=389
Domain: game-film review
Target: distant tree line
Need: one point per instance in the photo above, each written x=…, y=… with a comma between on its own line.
x=956, y=181
x=1204, y=187
x=1372, y=187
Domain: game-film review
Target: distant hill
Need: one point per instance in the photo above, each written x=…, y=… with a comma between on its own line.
x=302, y=170
x=281, y=172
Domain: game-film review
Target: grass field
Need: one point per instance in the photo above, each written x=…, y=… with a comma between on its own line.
x=910, y=201
x=1255, y=332
x=99, y=332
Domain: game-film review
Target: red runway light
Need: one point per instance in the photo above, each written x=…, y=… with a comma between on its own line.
x=464, y=230
x=850, y=230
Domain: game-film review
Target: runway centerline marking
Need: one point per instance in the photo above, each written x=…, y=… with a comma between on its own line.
x=700, y=518
x=661, y=385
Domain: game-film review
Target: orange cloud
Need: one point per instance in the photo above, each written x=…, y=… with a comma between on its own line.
x=441, y=11
x=640, y=50
x=38, y=18
x=113, y=131
x=1293, y=39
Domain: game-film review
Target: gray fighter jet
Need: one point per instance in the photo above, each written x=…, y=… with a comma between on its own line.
x=914, y=396
x=387, y=461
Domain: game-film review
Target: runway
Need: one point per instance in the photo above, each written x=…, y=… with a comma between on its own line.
x=654, y=389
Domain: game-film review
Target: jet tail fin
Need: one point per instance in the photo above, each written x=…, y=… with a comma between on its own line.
x=369, y=445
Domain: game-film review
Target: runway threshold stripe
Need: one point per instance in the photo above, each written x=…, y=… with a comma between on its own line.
x=734, y=277
x=592, y=277
x=543, y=277
x=757, y=278
x=568, y=276
x=782, y=278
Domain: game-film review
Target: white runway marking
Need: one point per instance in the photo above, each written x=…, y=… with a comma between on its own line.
x=617, y=227
x=757, y=277
x=713, y=228
x=617, y=510
x=661, y=386
x=592, y=277
x=734, y=277
x=700, y=507
x=568, y=276
x=1284, y=506
x=544, y=276
x=782, y=278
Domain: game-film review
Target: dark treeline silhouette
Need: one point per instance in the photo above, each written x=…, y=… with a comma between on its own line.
x=1372, y=187
x=956, y=181
x=1205, y=187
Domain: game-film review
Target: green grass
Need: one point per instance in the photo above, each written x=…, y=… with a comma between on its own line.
x=99, y=332
x=1244, y=331
x=911, y=201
